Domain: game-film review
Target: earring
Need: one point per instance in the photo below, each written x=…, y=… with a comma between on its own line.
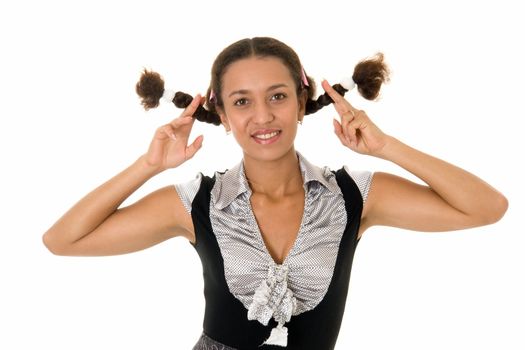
x=300, y=122
x=228, y=132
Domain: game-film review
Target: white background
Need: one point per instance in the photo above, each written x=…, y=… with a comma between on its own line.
x=70, y=120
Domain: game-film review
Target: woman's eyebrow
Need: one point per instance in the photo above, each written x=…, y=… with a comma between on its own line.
x=244, y=91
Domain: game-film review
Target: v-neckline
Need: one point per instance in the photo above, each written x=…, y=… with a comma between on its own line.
x=260, y=238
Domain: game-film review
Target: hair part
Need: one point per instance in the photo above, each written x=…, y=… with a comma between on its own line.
x=369, y=74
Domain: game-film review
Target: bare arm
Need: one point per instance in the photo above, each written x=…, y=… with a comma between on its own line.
x=97, y=226
x=452, y=198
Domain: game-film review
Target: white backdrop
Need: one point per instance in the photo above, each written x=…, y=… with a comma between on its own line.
x=70, y=120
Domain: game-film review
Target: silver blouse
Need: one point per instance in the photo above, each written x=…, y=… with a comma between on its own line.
x=265, y=288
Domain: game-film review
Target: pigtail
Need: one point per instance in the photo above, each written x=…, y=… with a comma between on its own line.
x=369, y=74
x=182, y=100
x=324, y=100
x=150, y=88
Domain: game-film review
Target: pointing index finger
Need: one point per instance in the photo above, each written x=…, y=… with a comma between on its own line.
x=187, y=114
x=340, y=103
x=192, y=107
x=331, y=92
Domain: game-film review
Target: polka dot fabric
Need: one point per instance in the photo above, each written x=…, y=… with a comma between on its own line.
x=247, y=261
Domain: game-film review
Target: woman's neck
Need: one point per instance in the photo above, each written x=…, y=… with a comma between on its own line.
x=275, y=178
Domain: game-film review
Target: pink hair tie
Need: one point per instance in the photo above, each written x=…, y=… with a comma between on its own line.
x=303, y=77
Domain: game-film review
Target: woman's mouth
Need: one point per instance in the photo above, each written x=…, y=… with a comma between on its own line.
x=266, y=136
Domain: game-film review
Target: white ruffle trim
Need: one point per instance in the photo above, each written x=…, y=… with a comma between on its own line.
x=273, y=299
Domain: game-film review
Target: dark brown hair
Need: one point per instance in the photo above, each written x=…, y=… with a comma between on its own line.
x=369, y=75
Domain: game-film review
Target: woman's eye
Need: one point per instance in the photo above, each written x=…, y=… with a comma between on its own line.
x=241, y=102
x=278, y=96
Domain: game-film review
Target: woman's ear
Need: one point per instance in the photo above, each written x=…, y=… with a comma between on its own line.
x=303, y=97
x=224, y=120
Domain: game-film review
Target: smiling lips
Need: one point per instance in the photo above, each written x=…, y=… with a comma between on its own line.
x=266, y=136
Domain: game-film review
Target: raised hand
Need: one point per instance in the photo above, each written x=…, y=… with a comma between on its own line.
x=355, y=130
x=169, y=147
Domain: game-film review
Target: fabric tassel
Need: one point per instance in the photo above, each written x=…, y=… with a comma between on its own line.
x=278, y=336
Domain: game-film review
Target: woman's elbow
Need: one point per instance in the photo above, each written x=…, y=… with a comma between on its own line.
x=53, y=245
x=501, y=204
x=494, y=211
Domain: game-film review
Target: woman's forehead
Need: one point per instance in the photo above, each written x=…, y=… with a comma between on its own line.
x=256, y=73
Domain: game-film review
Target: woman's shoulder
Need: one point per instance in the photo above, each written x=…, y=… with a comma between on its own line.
x=362, y=178
x=215, y=183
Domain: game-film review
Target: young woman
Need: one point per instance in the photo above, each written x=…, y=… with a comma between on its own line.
x=276, y=235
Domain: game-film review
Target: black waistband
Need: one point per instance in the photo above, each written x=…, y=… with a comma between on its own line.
x=206, y=343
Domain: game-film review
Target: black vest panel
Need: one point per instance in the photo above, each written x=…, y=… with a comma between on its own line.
x=225, y=318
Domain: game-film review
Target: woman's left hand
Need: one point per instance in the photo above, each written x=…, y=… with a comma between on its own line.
x=356, y=131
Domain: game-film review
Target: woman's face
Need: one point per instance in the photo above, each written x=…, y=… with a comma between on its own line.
x=261, y=107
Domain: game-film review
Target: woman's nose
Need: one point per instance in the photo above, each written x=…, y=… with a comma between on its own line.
x=262, y=113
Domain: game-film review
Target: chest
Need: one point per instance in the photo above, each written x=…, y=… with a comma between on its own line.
x=279, y=222
x=254, y=235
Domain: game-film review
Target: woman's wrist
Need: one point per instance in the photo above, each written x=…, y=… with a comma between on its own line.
x=144, y=166
x=390, y=148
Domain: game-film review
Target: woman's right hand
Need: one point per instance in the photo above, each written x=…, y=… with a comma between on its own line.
x=169, y=147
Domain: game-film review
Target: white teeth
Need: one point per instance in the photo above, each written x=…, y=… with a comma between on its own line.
x=267, y=136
